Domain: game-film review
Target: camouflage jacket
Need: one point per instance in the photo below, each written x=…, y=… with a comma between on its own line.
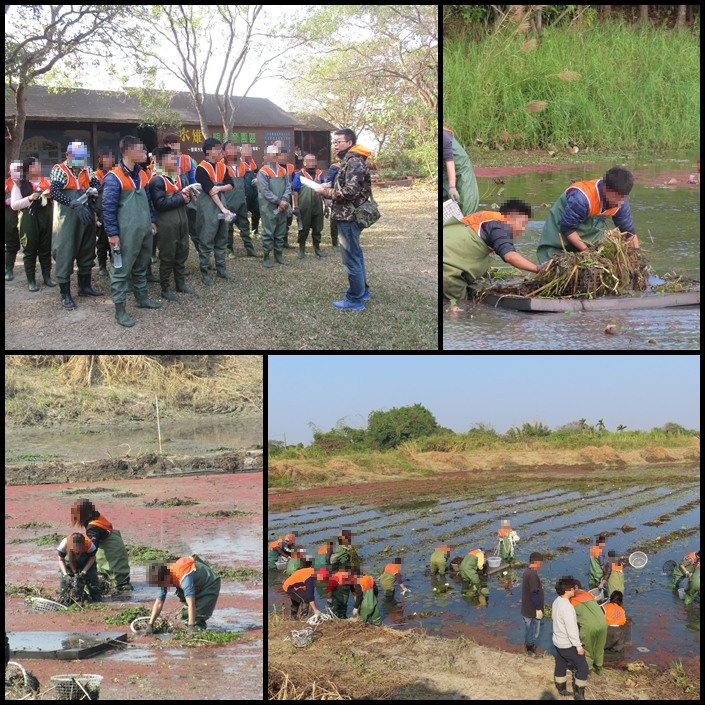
x=352, y=185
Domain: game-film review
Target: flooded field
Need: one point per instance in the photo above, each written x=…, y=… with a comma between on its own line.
x=665, y=517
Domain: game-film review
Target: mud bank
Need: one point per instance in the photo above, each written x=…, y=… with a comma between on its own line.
x=148, y=465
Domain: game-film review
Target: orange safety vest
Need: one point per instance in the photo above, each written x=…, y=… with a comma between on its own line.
x=442, y=548
x=504, y=531
x=447, y=130
x=126, y=182
x=281, y=171
x=477, y=220
x=617, y=568
x=693, y=558
x=83, y=181
x=87, y=543
x=366, y=582
x=595, y=551
x=342, y=578
x=181, y=568
x=274, y=544
x=589, y=190
x=289, y=168
x=297, y=578
x=475, y=552
x=44, y=184
x=582, y=597
x=170, y=188
x=216, y=175
x=102, y=523
x=100, y=175
x=238, y=171
x=322, y=550
x=250, y=163
x=614, y=614
x=392, y=568
x=316, y=178
x=9, y=183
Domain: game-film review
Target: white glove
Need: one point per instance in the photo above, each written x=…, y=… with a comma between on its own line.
x=405, y=590
x=454, y=194
x=355, y=612
x=539, y=614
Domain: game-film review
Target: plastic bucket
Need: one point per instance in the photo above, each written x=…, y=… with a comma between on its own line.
x=598, y=594
x=681, y=593
x=494, y=562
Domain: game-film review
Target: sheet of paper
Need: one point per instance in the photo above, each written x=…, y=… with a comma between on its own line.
x=309, y=182
x=451, y=210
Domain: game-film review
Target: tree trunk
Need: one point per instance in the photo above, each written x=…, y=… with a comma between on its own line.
x=680, y=20
x=643, y=14
x=607, y=12
x=16, y=130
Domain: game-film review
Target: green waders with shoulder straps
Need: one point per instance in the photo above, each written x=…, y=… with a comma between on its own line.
x=172, y=234
x=593, y=631
x=273, y=226
x=311, y=207
x=465, y=181
x=236, y=202
x=388, y=581
x=72, y=240
x=369, y=608
x=468, y=570
x=341, y=595
x=35, y=225
x=207, y=591
x=466, y=258
x=111, y=558
x=212, y=234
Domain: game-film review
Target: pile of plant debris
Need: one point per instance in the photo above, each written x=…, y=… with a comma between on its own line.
x=609, y=268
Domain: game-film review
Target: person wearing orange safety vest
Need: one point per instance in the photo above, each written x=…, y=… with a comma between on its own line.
x=12, y=235
x=186, y=167
x=577, y=219
x=308, y=206
x=689, y=564
x=236, y=199
x=283, y=159
x=390, y=577
x=274, y=190
x=471, y=564
x=281, y=548
x=197, y=586
x=300, y=589
x=468, y=243
x=593, y=626
x=616, y=621
x=507, y=539
x=438, y=560
x=614, y=574
x=339, y=588
x=106, y=161
x=597, y=561
x=77, y=554
x=365, y=592
x=324, y=554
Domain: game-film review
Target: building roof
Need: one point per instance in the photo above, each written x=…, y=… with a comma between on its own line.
x=312, y=122
x=116, y=106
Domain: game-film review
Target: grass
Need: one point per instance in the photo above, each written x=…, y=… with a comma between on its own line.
x=172, y=502
x=205, y=637
x=241, y=573
x=31, y=525
x=17, y=590
x=657, y=85
x=145, y=554
x=126, y=615
x=31, y=457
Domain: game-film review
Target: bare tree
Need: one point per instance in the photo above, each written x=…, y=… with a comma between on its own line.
x=680, y=19
x=643, y=14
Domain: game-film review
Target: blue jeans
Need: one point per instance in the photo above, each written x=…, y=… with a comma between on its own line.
x=531, y=633
x=353, y=260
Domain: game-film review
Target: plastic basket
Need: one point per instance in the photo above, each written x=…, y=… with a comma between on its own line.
x=494, y=562
x=281, y=565
x=681, y=593
x=40, y=604
x=77, y=686
x=598, y=594
x=638, y=559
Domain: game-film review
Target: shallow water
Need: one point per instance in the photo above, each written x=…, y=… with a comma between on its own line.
x=544, y=521
x=672, y=215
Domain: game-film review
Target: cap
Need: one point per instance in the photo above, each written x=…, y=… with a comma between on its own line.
x=272, y=149
x=77, y=149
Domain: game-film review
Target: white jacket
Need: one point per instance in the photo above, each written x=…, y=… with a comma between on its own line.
x=565, y=624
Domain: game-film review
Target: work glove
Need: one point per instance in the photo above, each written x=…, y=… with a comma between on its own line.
x=149, y=629
x=405, y=590
x=330, y=600
x=297, y=212
x=84, y=214
x=454, y=194
x=191, y=629
x=356, y=612
x=539, y=614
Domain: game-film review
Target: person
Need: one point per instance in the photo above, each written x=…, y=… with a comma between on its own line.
x=471, y=564
x=616, y=623
x=597, y=561
x=212, y=229
x=300, y=589
x=130, y=225
x=339, y=588
x=274, y=189
x=283, y=160
x=236, y=199
x=352, y=187
x=12, y=234
x=467, y=245
x=438, y=560
x=74, y=235
x=577, y=219
x=693, y=588
x=459, y=181
x=508, y=539
x=281, y=548
x=111, y=554
x=365, y=591
x=29, y=198
x=169, y=203
x=298, y=556
x=77, y=556
x=308, y=206
x=333, y=170
x=197, y=586
x=324, y=554
x=532, y=603
x=251, y=186
x=689, y=564
x=391, y=577
x=593, y=627
x=187, y=175
x=614, y=574
x=566, y=639
x=340, y=557
x=106, y=161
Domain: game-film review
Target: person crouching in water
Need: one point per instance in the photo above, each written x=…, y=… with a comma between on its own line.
x=77, y=555
x=616, y=623
x=196, y=585
x=365, y=591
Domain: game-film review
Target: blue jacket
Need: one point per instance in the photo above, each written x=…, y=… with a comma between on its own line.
x=111, y=198
x=577, y=207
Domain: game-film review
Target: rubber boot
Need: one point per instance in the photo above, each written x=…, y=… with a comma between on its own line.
x=31, y=283
x=267, y=261
x=231, y=254
x=250, y=250
x=317, y=250
x=84, y=286
x=150, y=276
x=169, y=295
x=223, y=273
x=578, y=692
x=598, y=670
x=9, y=264
x=206, y=278
x=302, y=251
x=287, y=246
x=102, y=270
x=46, y=275
x=561, y=688
x=142, y=300
x=66, y=300
x=181, y=286
x=530, y=650
x=121, y=316
x=278, y=257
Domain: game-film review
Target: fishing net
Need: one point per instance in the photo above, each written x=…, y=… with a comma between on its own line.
x=668, y=567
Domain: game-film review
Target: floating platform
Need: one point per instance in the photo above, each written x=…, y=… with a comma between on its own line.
x=65, y=646
x=606, y=303
x=502, y=566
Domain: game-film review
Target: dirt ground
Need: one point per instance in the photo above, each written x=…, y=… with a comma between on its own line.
x=364, y=662
x=150, y=669
x=262, y=309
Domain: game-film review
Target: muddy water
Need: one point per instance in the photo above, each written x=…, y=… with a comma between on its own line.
x=661, y=623
x=672, y=215
x=178, y=437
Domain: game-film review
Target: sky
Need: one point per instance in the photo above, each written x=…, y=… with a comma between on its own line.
x=638, y=391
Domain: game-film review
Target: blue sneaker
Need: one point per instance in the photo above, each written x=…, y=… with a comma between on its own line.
x=348, y=305
x=366, y=296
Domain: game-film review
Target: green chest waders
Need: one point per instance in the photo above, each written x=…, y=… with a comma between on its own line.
x=274, y=226
x=369, y=608
x=71, y=240
x=466, y=258
x=311, y=207
x=111, y=558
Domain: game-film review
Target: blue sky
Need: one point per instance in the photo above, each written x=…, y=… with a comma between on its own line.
x=639, y=391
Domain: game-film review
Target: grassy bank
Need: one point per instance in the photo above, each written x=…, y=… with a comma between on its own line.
x=351, y=660
x=610, y=86
x=49, y=390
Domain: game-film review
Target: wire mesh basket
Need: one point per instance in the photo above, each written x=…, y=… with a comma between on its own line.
x=16, y=673
x=668, y=567
x=139, y=625
x=41, y=604
x=82, y=686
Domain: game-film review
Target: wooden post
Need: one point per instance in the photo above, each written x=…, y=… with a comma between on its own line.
x=159, y=429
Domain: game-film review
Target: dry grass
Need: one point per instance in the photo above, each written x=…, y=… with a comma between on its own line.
x=285, y=686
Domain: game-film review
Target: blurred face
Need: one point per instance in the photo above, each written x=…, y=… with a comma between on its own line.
x=169, y=163
x=246, y=150
x=230, y=151
x=176, y=147
x=310, y=161
x=16, y=171
x=35, y=170
x=137, y=152
x=517, y=222
x=215, y=153
x=273, y=156
x=108, y=162
x=613, y=198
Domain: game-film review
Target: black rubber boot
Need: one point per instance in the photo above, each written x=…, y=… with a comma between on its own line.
x=150, y=276
x=84, y=286
x=181, y=286
x=318, y=252
x=287, y=246
x=278, y=257
x=250, y=250
x=223, y=273
x=561, y=688
x=267, y=261
x=46, y=275
x=9, y=264
x=302, y=251
x=142, y=300
x=31, y=283
x=578, y=692
x=121, y=316
x=102, y=270
x=530, y=650
x=66, y=300
x=231, y=254
x=206, y=278
x=169, y=295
